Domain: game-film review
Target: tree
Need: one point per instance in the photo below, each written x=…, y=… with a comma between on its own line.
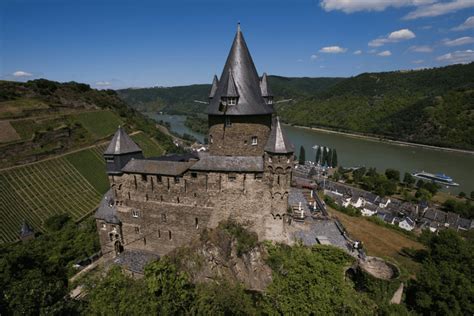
x=334, y=158
x=423, y=195
x=472, y=195
x=420, y=183
x=393, y=175
x=325, y=156
x=408, y=179
x=317, y=159
x=462, y=194
x=358, y=174
x=302, y=156
x=443, y=286
x=329, y=157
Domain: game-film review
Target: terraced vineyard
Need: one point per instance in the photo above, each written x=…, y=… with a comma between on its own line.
x=36, y=191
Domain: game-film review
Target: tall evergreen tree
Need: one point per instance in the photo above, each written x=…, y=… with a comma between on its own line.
x=334, y=158
x=330, y=157
x=318, y=155
x=302, y=156
x=325, y=156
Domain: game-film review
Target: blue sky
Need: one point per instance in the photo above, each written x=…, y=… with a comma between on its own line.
x=116, y=44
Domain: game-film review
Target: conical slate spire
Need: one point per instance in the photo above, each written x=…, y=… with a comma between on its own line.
x=277, y=142
x=215, y=82
x=230, y=90
x=266, y=91
x=240, y=66
x=121, y=144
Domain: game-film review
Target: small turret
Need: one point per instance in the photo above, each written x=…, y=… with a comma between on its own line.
x=277, y=142
x=120, y=151
x=267, y=93
x=215, y=82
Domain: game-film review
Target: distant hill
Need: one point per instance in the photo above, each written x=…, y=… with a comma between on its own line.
x=180, y=100
x=52, y=136
x=431, y=106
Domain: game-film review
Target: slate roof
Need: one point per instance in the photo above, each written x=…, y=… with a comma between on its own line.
x=464, y=223
x=107, y=210
x=295, y=197
x=277, y=142
x=176, y=157
x=134, y=260
x=229, y=163
x=121, y=144
x=264, y=87
x=148, y=166
x=215, y=82
x=26, y=230
x=240, y=67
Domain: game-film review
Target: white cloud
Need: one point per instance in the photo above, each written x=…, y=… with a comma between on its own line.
x=459, y=41
x=20, y=73
x=313, y=57
x=385, y=53
x=421, y=49
x=102, y=83
x=358, y=52
x=418, y=61
x=439, y=8
x=350, y=6
x=333, y=50
x=468, y=24
x=394, y=37
x=457, y=57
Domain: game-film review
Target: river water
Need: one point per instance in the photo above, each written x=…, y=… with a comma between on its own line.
x=352, y=152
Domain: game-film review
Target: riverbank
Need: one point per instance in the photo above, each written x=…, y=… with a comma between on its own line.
x=385, y=140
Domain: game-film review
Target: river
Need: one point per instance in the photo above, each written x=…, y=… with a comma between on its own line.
x=352, y=152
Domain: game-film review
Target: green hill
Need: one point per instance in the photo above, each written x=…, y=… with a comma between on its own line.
x=432, y=106
x=180, y=100
x=52, y=136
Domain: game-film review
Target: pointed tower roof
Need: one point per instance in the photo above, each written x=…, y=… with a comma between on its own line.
x=215, y=82
x=229, y=89
x=121, y=144
x=26, y=230
x=277, y=142
x=266, y=91
x=240, y=66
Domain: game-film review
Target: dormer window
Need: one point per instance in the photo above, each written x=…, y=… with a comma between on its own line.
x=228, y=123
x=270, y=100
x=231, y=101
x=135, y=213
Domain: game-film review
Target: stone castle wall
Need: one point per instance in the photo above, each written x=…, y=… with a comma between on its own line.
x=236, y=139
x=160, y=213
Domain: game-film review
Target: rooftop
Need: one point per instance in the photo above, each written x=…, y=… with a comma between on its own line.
x=229, y=163
x=161, y=167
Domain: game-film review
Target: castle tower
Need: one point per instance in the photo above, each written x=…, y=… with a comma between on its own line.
x=120, y=151
x=278, y=165
x=240, y=115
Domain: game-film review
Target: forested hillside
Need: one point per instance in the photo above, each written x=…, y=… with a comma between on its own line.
x=180, y=100
x=430, y=106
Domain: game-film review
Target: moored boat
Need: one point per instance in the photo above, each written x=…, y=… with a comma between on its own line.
x=440, y=178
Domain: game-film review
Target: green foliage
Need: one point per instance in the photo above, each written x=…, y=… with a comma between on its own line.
x=430, y=106
x=444, y=285
x=172, y=292
x=317, y=159
x=311, y=281
x=148, y=145
x=57, y=222
x=392, y=174
x=100, y=123
x=34, y=274
x=334, y=158
x=246, y=240
x=408, y=179
x=117, y=294
x=464, y=209
x=302, y=156
x=222, y=298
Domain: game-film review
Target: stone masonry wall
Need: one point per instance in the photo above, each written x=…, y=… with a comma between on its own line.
x=236, y=139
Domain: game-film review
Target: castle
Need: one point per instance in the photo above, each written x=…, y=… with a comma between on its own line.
x=155, y=205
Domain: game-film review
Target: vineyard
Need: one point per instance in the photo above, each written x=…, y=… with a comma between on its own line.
x=35, y=192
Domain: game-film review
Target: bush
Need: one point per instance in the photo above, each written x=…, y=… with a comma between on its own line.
x=246, y=240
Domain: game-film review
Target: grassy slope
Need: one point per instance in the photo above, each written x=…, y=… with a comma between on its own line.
x=380, y=241
x=150, y=147
x=100, y=124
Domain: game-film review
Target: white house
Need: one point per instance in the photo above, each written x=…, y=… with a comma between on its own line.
x=369, y=209
x=407, y=224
